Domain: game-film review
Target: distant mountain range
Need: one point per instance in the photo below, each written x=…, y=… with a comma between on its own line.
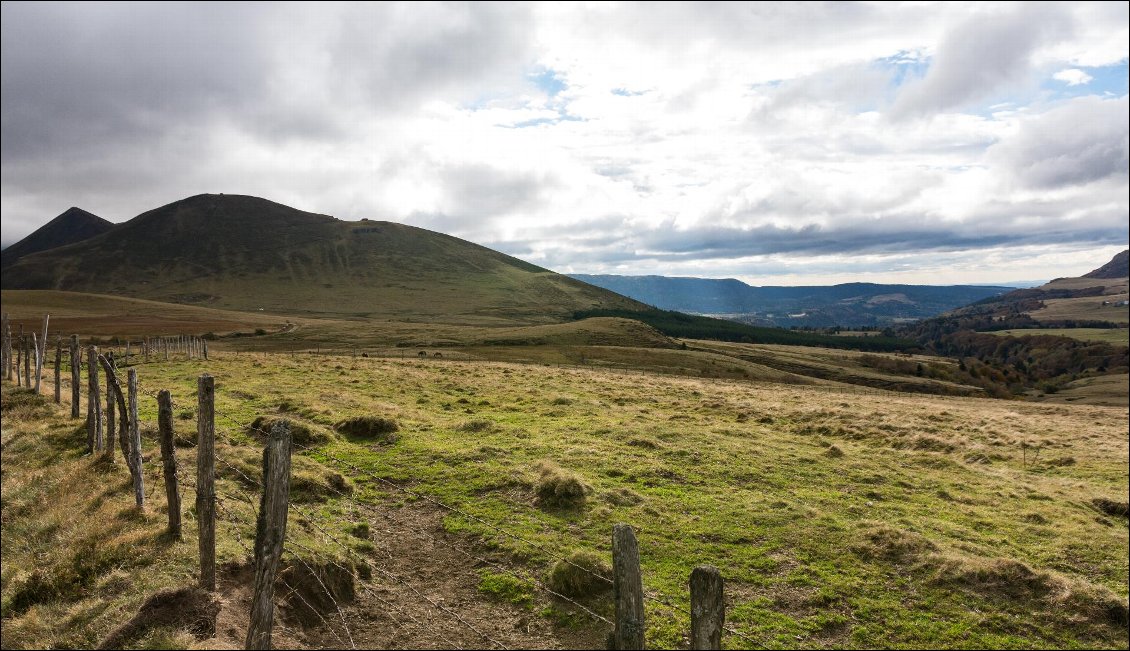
x=73, y=225
x=847, y=305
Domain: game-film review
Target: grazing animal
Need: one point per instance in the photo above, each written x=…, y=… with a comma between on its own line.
x=422, y=353
x=438, y=354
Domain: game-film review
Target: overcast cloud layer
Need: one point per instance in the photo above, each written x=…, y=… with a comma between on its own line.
x=777, y=143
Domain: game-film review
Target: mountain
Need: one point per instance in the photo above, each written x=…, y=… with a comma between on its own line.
x=1118, y=267
x=849, y=305
x=73, y=225
x=242, y=252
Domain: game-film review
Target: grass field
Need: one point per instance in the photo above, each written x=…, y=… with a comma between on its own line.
x=839, y=517
x=1084, y=309
x=1116, y=336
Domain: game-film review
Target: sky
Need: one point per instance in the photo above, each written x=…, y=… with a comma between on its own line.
x=776, y=143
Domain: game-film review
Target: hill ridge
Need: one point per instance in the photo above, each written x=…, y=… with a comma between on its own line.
x=72, y=225
x=250, y=253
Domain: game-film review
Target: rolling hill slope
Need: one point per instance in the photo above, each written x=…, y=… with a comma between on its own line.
x=247, y=253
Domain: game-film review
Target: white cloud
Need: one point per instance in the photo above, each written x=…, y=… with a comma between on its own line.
x=1073, y=77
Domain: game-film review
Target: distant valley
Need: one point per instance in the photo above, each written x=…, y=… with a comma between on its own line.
x=847, y=305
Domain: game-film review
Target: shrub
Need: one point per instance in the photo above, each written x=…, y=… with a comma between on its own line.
x=559, y=488
x=582, y=574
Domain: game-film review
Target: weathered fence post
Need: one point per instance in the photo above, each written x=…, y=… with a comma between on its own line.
x=123, y=426
x=38, y=361
x=58, y=369
x=4, y=361
x=27, y=363
x=165, y=346
x=270, y=531
x=204, y=343
x=145, y=348
x=205, y=479
x=708, y=612
x=627, y=589
x=135, y=442
x=76, y=367
x=110, y=420
x=93, y=402
x=169, y=458
x=41, y=353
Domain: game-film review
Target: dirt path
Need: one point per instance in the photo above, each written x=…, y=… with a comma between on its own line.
x=424, y=595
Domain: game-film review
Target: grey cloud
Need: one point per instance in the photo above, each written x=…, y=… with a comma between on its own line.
x=482, y=191
x=1085, y=140
x=395, y=54
x=982, y=56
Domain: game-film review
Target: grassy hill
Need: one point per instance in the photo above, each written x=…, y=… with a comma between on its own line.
x=73, y=225
x=245, y=253
x=839, y=517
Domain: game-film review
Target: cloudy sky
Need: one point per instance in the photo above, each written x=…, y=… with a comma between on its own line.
x=776, y=143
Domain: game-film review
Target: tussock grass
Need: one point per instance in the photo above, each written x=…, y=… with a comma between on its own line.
x=557, y=488
x=373, y=428
x=300, y=432
x=582, y=574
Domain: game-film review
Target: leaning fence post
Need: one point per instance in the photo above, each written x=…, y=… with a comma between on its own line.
x=93, y=402
x=205, y=479
x=708, y=612
x=135, y=442
x=76, y=367
x=169, y=458
x=270, y=531
x=58, y=370
x=627, y=589
x=41, y=353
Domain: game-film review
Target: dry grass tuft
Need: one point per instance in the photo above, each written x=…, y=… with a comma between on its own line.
x=382, y=430
x=301, y=433
x=559, y=488
x=582, y=574
x=882, y=541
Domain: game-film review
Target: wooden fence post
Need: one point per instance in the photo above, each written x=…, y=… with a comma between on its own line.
x=59, y=370
x=123, y=426
x=135, y=442
x=205, y=479
x=27, y=363
x=93, y=402
x=169, y=458
x=4, y=361
x=627, y=589
x=270, y=532
x=145, y=348
x=38, y=361
x=708, y=611
x=165, y=346
x=110, y=420
x=204, y=342
x=41, y=353
x=76, y=367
